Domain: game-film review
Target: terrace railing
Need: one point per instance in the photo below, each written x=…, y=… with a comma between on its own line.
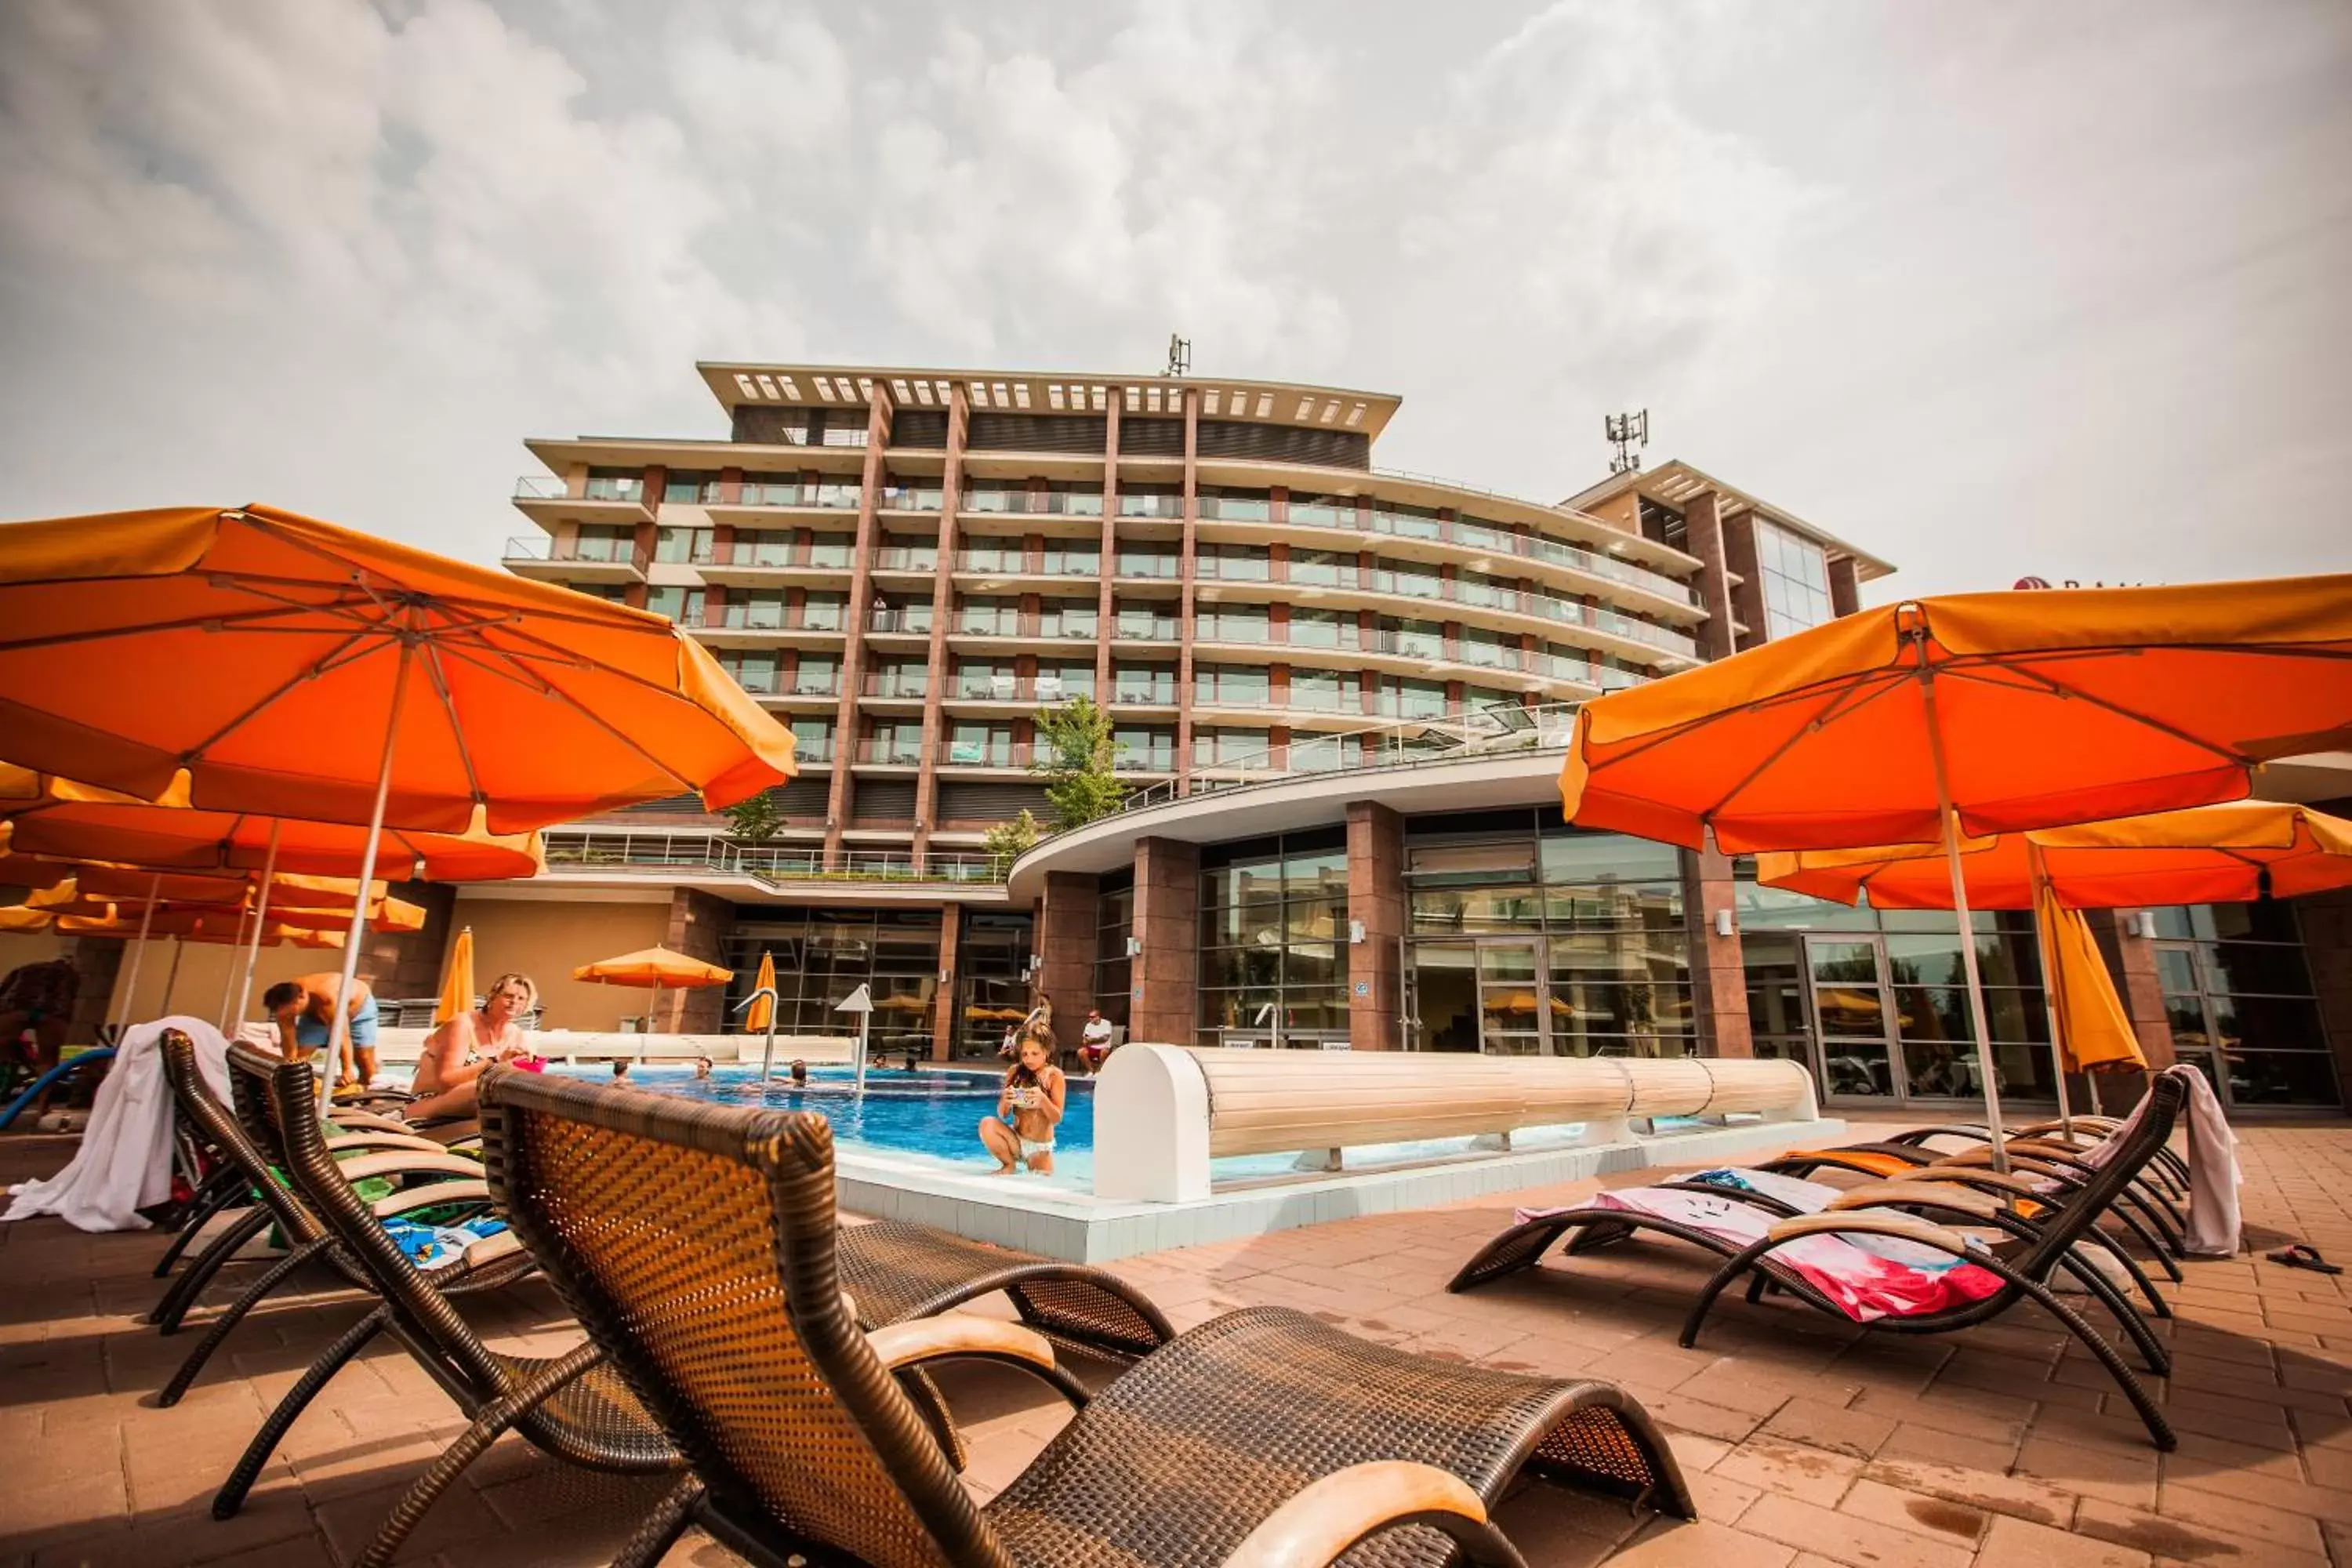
x=657, y=851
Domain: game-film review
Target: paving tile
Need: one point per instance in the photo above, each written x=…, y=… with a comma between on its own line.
x=1790, y=1469
x=2015, y=1543
x=1821, y=1425
x=1847, y=1537
x=1925, y=1514
x=1702, y=1544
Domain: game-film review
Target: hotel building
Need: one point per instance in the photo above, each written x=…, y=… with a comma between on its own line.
x=1338, y=691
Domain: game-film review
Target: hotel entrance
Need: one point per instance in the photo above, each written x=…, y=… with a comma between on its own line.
x=1483, y=994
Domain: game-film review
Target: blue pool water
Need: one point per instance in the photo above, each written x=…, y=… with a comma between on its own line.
x=933, y=1116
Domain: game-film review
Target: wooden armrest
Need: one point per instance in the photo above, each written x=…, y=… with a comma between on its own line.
x=902, y=1345
x=354, y=1120
x=1876, y=1222
x=1943, y=1194
x=408, y=1162
x=371, y=1137
x=490, y=1248
x=2008, y=1182
x=1334, y=1512
x=431, y=1194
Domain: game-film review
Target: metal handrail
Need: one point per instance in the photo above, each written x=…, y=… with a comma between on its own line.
x=663, y=850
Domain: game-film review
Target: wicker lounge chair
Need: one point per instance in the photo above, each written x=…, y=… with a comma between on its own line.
x=443, y=1180
x=573, y=1406
x=698, y=1244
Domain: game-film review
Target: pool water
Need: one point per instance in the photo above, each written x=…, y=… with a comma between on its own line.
x=933, y=1115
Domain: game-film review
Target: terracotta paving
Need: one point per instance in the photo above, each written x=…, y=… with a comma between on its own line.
x=1807, y=1443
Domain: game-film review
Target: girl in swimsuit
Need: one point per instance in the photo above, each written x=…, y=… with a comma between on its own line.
x=457, y=1052
x=1036, y=1094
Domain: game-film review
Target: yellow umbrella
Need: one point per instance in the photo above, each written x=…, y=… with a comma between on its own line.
x=2094, y=1032
x=654, y=967
x=457, y=984
x=762, y=1014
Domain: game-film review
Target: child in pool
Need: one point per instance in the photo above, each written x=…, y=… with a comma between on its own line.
x=1036, y=1094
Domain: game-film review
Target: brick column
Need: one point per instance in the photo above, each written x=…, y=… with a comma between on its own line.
x=943, y=1003
x=1184, y=615
x=1706, y=541
x=1376, y=897
x=1163, y=996
x=1107, y=603
x=1845, y=585
x=926, y=781
x=1718, y=972
x=1748, y=594
x=839, y=798
x=700, y=925
x=1068, y=920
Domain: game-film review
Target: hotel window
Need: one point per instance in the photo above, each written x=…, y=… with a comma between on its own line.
x=603, y=542
x=1322, y=691
x=995, y=496
x=1069, y=618
x=841, y=494
x=1067, y=559
x=902, y=677
x=1274, y=922
x=1079, y=500
x=1480, y=588
x=823, y=955
x=1001, y=556
x=822, y=612
x=1160, y=561
x=989, y=617
x=832, y=551
x=1143, y=748
x=1236, y=562
x=1415, y=639
x=1322, y=512
x=1235, y=506
x=1323, y=568
x=762, y=547
x=1060, y=682
x=897, y=741
x=1493, y=650
x=1143, y=621
x=1407, y=522
x=1796, y=580
x=1233, y=685
x=908, y=553
x=753, y=671
x=816, y=675
x=1151, y=500
x=2239, y=994
x=756, y=609
x=986, y=680
x=683, y=545
x=1322, y=629
x=686, y=489
x=683, y=605
x=911, y=495
x=616, y=484
x=1153, y=684
x=1413, y=699
x=1413, y=579
x=1232, y=623
x=813, y=739
x=981, y=746
x=1213, y=748
x=771, y=489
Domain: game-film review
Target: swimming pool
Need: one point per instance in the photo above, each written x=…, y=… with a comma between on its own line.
x=933, y=1116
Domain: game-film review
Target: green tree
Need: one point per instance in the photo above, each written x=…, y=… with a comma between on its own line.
x=1074, y=755
x=756, y=820
x=1008, y=841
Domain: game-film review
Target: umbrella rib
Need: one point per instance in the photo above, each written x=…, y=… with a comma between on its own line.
x=197, y=751
x=2060, y=688
x=548, y=689
x=449, y=709
x=238, y=619
x=1826, y=717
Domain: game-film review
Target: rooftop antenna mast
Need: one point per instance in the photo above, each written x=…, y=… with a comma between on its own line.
x=1629, y=433
x=1180, y=356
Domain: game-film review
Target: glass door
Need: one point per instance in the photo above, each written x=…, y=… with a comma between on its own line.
x=2242, y=1015
x=1511, y=1011
x=1441, y=999
x=1853, y=1017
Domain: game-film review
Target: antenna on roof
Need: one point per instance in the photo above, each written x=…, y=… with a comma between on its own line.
x=1180, y=356
x=1629, y=433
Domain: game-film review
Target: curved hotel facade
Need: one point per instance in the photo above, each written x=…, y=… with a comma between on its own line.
x=1337, y=691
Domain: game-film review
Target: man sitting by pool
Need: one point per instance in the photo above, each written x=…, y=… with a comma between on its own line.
x=304, y=1009
x=1036, y=1094
x=1094, y=1040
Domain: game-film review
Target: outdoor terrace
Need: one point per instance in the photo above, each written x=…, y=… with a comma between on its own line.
x=1807, y=1445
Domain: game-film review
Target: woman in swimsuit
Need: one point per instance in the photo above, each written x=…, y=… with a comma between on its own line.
x=1036, y=1093
x=457, y=1052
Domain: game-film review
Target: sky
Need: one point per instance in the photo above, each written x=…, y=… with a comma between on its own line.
x=1990, y=287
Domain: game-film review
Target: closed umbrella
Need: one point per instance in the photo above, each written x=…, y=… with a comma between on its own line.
x=760, y=1014
x=458, y=984
x=1935, y=720
x=653, y=968
x=298, y=669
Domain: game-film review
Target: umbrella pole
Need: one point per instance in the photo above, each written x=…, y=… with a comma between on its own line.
x=1951, y=826
x=139, y=949
x=261, y=917
x=228, y=978
x=171, y=977
x=339, y=1032
x=2050, y=998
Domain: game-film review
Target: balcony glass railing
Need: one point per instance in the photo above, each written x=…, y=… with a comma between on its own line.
x=914, y=618
x=1236, y=509
x=614, y=490
x=1229, y=628
x=994, y=753
x=1128, y=692
x=888, y=752
x=593, y=550
x=663, y=854
x=911, y=498
x=746, y=617
x=903, y=688
x=831, y=557
x=1159, y=568
x=841, y=497
x=907, y=558
x=768, y=495
x=1162, y=629
x=1234, y=568
x=1133, y=505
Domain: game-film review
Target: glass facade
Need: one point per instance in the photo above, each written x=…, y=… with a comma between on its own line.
x=1273, y=934
x=2238, y=994
x=1115, y=922
x=1796, y=580
x=991, y=986
x=822, y=955
x=1532, y=938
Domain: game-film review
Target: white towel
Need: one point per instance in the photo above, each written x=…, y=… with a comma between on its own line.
x=2213, y=1174
x=124, y=1163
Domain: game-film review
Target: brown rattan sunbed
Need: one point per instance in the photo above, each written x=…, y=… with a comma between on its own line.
x=698, y=1244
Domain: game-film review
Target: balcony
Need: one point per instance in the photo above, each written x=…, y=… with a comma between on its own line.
x=1150, y=568
x=549, y=501
x=1171, y=507
x=910, y=620
x=907, y=558
x=1162, y=628
x=911, y=498
x=668, y=854
x=1024, y=690
x=874, y=752
x=1026, y=503
x=909, y=687
x=575, y=560
x=1053, y=564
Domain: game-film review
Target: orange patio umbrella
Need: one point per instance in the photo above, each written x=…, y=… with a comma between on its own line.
x=654, y=967
x=759, y=1013
x=1934, y=720
x=297, y=670
x=457, y=984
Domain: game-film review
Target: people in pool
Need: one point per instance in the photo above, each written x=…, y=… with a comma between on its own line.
x=800, y=1071
x=702, y=1066
x=1036, y=1094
